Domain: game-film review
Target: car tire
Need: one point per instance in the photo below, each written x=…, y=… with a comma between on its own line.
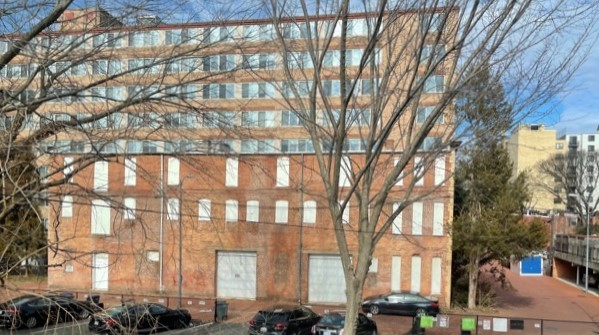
x=83, y=314
x=30, y=322
x=420, y=312
x=374, y=309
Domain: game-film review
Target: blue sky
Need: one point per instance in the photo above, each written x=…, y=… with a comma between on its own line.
x=578, y=110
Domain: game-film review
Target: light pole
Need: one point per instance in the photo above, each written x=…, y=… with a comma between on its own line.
x=587, y=242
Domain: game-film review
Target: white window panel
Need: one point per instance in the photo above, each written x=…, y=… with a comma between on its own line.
x=100, y=217
x=399, y=181
x=231, y=173
x=101, y=176
x=345, y=172
x=282, y=171
x=438, y=213
x=418, y=171
x=415, y=275
x=204, y=209
x=231, y=211
x=173, y=171
x=252, y=211
x=310, y=211
x=439, y=170
x=67, y=207
x=395, y=273
x=417, y=218
x=129, y=208
x=396, y=229
x=436, y=275
x=281, y=211
x=374, y=265
x=68, y=169
x=345, y=214
x=130, y=171
x=173, y=209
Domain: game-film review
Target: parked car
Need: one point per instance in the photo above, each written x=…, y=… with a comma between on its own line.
x=333, y=323
x=140, y=318
x=33, y=310
x=402, y=303
x=284, y=320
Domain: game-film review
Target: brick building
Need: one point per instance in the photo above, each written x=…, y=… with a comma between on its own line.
x=232, y=194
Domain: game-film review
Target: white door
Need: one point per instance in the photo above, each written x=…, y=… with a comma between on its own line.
x=100, y=272
x=236, y=275
x=325, y=279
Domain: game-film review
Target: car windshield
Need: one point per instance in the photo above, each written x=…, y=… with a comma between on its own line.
x=271, y=317
x=114, y=311
x=21, y=301
x=333, y=319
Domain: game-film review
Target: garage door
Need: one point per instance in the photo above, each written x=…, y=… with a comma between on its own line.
x=236, y=275
x=325, y=280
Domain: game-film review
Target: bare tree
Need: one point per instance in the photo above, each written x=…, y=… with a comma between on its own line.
x=394, y=100
x=573, y=180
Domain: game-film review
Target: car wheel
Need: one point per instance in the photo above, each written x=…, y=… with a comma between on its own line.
x=83, y=314
x=420, y=312
x=374, y=309
x=31, y=322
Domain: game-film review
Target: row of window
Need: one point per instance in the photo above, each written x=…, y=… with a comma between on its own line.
x=215, y=63
x=101, y=211
x=231, y=175
x=262, y=32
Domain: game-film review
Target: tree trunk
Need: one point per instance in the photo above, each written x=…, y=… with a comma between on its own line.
x=473, y=270
x=354, y=303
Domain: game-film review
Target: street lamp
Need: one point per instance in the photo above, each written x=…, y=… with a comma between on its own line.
x=586, y=258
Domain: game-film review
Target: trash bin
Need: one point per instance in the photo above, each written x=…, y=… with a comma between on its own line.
x=416, y=329
x=221, y=309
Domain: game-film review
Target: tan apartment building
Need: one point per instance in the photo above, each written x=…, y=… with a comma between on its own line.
x=229, y=198
x=528, y=145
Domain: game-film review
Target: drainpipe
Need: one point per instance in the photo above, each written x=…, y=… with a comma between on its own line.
x=160, y=250
x=301, y=225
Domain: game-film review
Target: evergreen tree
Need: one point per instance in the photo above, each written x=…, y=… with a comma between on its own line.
x=488, y=202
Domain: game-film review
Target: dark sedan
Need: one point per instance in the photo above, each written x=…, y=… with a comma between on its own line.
x=284, y=320
x=402, y=303
x=140, y=318
x=31, y=311
x=333, y=323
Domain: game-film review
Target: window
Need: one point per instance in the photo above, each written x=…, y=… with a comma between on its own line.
x=143, y=38
x=106, y=40
x=296, y=146
x=282, y=172
x=67, y=207
x=149, y=147
x=345, y=172
x=218, y=91
x=231, y=171
x=130, y=171
x=176, y=36
x=257, y=90
x=398, y=221
x=418, y=171
x=231, y=211
x=439, y=170
x=299, y=60
x=417, y=218
x=219, y=119
x=374, y=265
x=173, y=209
x=281, y=211
x=129, y=210
x=432, y=22
x=100, y=217
x=434, y=84
x=68, y=169
x=436, y=275
x=438, y=213
x=258, y=119
x=399, y=181
x=345, y=214
x=591, y=148
x=258, y=61
x=204, y=209
x=395, y=273
x=219, y=34
x=290, y=119
x=425, y=112
x=559, y=146
x=591, y=138
x=252, y=211
x=436, y=51
x=257, y=146
x=173, y=171
x=309, y=211
x=415, y=274
x=101, y=176
x=106, y=67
